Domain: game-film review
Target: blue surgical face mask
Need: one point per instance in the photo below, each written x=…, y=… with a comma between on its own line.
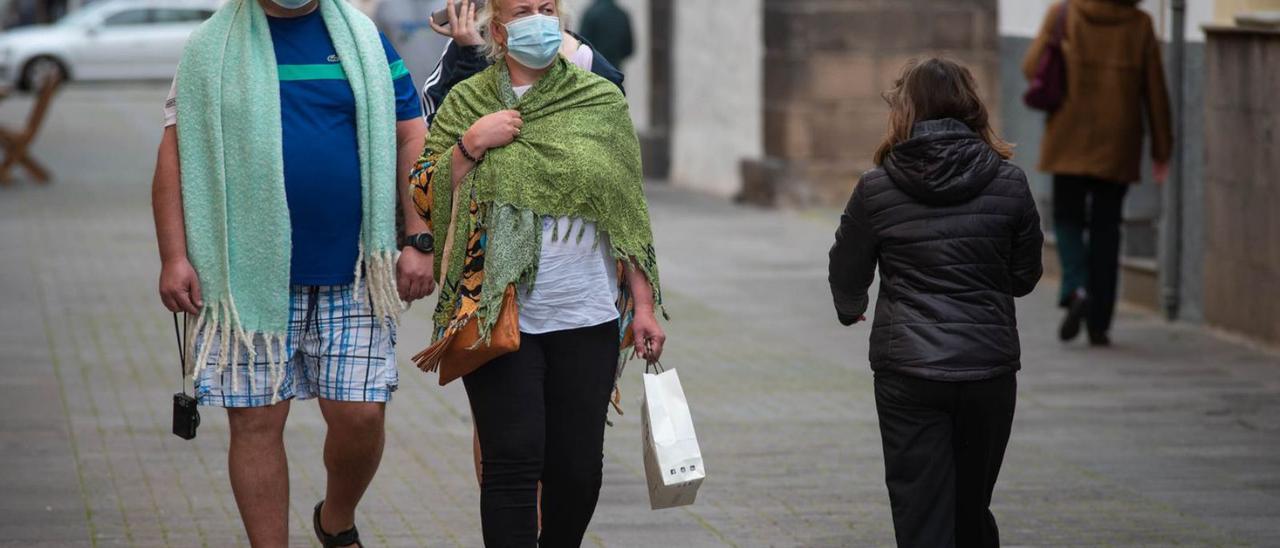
x=291, y=4
x=534, y=41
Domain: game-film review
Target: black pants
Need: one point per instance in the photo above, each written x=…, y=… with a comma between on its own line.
x=943, y=445
x=540, y=414
x=1080, y=204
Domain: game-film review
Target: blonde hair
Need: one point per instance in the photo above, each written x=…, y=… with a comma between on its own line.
x=492, y=50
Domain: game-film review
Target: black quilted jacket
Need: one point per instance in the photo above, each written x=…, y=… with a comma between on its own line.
x=956, y=234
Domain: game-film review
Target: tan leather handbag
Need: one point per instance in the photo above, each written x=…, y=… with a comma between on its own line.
x=460, y=351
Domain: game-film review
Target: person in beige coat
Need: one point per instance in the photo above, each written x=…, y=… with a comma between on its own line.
x=1093, y=146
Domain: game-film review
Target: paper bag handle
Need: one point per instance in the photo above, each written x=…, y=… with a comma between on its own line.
x=654, y=364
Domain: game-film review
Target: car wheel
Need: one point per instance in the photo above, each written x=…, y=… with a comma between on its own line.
x=40, y=68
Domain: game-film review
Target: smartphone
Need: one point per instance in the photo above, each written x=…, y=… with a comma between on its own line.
x=441, y=17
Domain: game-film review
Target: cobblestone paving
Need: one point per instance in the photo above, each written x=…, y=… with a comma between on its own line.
x=1169, y=438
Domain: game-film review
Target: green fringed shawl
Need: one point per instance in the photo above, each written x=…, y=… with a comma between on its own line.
x=577, y=156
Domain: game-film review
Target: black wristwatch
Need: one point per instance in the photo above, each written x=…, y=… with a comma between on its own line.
x=422, y=241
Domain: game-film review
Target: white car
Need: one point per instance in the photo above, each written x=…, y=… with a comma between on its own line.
x=106, y=40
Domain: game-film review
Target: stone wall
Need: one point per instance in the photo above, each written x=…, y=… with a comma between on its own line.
x=826, y=64
x=715, y=83
x=1242, y=136
x=1225, y=10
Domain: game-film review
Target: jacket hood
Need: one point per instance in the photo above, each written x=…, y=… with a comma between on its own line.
x=1106, y=12
x=944, y=162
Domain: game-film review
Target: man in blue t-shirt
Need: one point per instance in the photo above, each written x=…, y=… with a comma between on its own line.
x=336, y=348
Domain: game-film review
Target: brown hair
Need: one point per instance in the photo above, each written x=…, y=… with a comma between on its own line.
x=933, y=89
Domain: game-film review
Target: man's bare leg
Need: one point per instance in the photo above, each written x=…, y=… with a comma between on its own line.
x=352, y=452
x=260, y=472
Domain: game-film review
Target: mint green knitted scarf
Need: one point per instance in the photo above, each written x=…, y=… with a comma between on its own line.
x=576, y=156
x=233, y=194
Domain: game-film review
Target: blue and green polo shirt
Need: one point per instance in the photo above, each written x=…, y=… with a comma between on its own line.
x=321, y=160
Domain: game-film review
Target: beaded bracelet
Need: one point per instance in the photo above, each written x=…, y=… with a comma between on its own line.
x=465, y=154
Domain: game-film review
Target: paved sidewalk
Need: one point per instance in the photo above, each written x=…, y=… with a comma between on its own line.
x=1171, y=437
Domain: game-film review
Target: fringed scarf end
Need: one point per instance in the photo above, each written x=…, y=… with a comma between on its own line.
x=221, y=319
x=378, y=269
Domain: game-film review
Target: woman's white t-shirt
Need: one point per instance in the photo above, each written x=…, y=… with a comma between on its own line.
x=577, y=282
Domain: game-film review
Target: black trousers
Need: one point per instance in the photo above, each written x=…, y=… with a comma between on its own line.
x=943, y=445
x=540, y=414
x=1083, y=204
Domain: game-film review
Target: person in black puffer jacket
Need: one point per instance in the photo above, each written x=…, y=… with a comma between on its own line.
x=954, y=229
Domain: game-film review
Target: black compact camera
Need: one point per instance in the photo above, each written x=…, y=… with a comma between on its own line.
x=186, y=417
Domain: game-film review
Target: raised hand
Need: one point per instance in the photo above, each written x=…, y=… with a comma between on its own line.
x=462, y=23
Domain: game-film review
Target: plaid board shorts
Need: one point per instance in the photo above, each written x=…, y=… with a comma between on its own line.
x=337, y=351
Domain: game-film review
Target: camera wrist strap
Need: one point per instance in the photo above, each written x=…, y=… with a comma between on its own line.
x=179, y=335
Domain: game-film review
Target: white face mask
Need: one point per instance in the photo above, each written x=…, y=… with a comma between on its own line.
x=534, y=41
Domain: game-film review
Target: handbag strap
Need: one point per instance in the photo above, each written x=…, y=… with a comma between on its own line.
x=429, y=358
x=1060, y=26
x=448, y=237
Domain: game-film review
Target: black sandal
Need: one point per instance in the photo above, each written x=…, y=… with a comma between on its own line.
x=350, y=537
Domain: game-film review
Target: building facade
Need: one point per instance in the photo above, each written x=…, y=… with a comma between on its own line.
x=777, y=102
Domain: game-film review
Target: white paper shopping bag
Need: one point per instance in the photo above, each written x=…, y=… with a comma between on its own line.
x=672, y=459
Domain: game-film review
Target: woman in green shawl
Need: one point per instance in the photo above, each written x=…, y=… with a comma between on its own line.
x=546, y=168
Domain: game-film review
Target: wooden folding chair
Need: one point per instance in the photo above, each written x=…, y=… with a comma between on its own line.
x=17, y=144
